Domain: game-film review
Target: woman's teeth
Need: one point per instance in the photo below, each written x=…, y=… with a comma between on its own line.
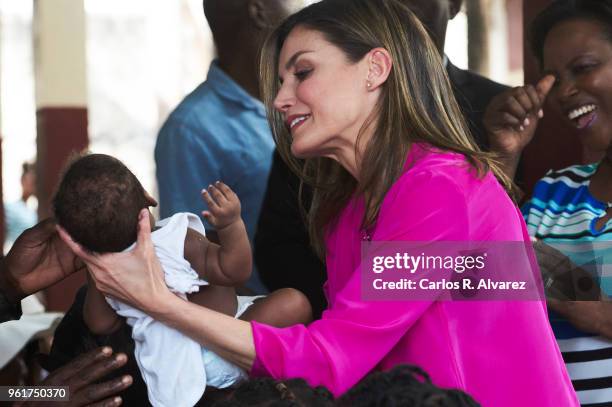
x=298, y=120
x=576, y=113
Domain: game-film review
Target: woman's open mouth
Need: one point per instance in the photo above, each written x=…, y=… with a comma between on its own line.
x=297, y=121
x=583, y=116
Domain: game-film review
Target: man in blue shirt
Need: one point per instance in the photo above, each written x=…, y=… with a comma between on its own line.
x=220, y=130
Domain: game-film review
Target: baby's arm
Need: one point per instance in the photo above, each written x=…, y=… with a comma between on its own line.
x=229, y=263
x=99, y=317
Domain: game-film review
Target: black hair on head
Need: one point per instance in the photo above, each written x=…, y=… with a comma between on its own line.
x=403, y=386
x=267, y=392
x=564, y=10
x=98, y=202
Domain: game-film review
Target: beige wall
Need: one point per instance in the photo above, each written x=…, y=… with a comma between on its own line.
x=59, y=53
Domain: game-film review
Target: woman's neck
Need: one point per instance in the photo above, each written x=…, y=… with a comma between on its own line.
x=350, y=155
x=348, y=160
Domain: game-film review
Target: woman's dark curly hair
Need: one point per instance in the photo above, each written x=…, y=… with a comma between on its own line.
x=403, y=386
x=267, y=392
x=564, y=10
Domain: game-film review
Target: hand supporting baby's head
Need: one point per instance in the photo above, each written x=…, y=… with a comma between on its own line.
x=98, y=202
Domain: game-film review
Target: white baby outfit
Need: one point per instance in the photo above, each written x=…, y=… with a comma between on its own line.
x=175, y=368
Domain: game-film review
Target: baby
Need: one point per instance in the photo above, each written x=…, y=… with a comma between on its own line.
x=98, y=202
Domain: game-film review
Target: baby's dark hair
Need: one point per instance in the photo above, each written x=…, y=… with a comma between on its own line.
x=267, y=392
x=565, y=10
x=98, y=202
x=403, y=386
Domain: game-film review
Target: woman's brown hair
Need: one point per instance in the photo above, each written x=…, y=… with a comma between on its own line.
x=416, y=104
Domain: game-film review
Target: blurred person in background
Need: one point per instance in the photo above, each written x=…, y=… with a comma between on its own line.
x=21, y=214
x=571, y=208
x=219, y=131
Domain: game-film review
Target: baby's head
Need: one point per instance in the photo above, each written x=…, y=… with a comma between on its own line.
x=98, y=202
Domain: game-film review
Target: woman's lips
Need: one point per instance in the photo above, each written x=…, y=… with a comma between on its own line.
x=297, y=122
x=583, y=116
x=585, y=120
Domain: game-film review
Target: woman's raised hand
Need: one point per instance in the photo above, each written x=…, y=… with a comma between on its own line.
x=133, y=277
x=512, y=116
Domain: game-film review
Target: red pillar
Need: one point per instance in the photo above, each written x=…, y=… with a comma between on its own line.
x=61, y=114
x=61, y=131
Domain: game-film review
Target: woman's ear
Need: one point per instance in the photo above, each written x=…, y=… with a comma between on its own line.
x=380, y=64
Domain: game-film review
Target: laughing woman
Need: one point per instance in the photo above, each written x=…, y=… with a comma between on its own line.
x=572, y=207
x=356, y=90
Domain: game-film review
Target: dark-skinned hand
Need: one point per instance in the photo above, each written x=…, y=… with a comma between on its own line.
x=81, y=375
x=37, y=260
x=512, y=116
x=588, y=316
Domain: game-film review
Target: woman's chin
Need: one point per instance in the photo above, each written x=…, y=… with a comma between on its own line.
x=302, y=152
x=595, y=141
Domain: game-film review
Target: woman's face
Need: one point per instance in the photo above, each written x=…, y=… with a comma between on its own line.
x=578, y=53
x=324, y=98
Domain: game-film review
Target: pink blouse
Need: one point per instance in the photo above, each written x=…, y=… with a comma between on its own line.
x=503, y=353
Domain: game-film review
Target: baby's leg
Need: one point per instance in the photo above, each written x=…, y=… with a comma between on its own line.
x=284, y=307
x=217, y=298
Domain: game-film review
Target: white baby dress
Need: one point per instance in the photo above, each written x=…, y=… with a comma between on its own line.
x=175, y=368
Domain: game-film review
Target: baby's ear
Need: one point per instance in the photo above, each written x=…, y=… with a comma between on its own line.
x=150, y=200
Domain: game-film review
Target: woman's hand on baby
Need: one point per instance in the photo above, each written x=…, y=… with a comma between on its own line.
x=223, y=205
x=512, y=116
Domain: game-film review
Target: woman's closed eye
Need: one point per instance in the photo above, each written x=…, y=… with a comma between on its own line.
x=302, y=74
x=584, y=67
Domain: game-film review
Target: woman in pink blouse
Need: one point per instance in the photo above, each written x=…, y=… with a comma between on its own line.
x=357, y=91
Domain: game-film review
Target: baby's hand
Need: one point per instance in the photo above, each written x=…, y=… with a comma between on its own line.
x=223, y=205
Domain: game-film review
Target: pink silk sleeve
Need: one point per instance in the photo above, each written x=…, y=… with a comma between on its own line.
x=353, y=336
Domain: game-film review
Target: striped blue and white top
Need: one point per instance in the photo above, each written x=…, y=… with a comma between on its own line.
x=563, y=213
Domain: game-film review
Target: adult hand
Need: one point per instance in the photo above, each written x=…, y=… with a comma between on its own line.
x=133, y=277
x=80, y=376
x=38, y=259
x=512, y=116
x=563, y=279
x=588, y=316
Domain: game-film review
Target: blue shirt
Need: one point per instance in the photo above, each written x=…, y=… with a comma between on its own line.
x=18, y=217
x=217, y=133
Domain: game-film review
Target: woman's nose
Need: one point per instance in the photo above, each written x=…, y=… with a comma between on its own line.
x=284, y=99
x=566, y=88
